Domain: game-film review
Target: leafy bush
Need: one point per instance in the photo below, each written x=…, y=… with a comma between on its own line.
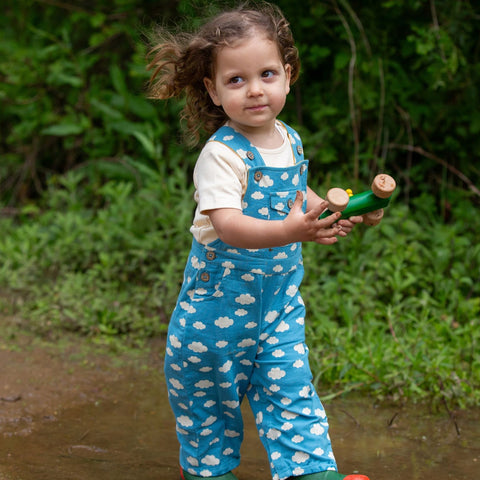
x=73, y=94
x=395, y=309
x=100, y=189
x=390, y=85
x=110, y=270
x=385, y=86
x=392, y=310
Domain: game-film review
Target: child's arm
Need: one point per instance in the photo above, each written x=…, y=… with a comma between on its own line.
x=243, y=231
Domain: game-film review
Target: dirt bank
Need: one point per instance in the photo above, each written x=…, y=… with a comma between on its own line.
x=71, y=409
x=39, y=379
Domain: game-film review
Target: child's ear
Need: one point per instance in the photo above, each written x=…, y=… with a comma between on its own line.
x=212, y=91
x=288, y=74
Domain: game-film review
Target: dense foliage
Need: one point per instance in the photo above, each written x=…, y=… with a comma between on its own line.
x=96, y=197
x=385, y=85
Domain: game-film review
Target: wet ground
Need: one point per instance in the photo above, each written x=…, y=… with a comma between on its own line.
x=70, y=410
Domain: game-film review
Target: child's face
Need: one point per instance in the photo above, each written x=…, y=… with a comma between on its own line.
x=250, y=83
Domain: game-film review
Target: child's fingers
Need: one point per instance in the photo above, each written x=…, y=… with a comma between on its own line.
x=297, y=205
x=328, y=221
x=316, y=211
x=351, y=221
x=348, y=224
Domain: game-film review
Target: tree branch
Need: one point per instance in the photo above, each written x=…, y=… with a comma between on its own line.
x=351, y=97
x=441, y=161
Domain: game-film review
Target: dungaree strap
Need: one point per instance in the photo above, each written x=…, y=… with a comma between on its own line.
x=295, y=142
x=239, y=144
x=248, y=152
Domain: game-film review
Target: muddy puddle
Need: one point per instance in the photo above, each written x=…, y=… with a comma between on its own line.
x=79, y=416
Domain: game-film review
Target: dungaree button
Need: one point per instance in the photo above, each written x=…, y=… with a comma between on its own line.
x=299, y=150
x=250, y=155
x=205, y=277
x=290, y=203
x=211, y=255
x=258, y=176
x=303, y=168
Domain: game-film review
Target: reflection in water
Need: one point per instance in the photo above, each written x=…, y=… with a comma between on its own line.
x=129, y=434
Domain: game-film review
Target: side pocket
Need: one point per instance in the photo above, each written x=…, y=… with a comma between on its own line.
x=208, y=281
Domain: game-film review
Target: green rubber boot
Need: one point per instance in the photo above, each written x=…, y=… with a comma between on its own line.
x=188, y=476
x=330, y=475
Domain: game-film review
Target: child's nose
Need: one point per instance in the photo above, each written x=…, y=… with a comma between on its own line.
x=255, y=88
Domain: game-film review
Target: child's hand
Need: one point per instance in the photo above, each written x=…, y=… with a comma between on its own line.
x=348, y=224
x=307, y=227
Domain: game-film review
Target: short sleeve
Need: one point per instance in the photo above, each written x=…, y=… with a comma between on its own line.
x=220, y=177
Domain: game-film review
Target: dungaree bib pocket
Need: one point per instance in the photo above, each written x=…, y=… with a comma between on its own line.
x=282, y=202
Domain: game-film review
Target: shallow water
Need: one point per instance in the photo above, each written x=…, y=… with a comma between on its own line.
x=127, y=433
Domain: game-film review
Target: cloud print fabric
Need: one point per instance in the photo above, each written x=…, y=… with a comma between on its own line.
x=238, y=329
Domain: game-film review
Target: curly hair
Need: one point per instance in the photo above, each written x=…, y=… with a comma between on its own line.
x=180, y=62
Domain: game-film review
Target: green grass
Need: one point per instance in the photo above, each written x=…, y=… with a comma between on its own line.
x=392, y=311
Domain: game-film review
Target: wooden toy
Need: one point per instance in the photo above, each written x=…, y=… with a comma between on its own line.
x=369, y=204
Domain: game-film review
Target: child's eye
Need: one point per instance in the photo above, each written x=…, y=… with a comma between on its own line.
x=236, y=80
x=268, y=74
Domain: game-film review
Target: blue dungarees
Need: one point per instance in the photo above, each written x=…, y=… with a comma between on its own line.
x=238, y=328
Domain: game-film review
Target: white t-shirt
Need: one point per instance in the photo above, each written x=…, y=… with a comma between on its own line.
x=220, y=179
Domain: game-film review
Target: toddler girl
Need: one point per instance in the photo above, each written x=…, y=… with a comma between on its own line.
x=238, y=326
